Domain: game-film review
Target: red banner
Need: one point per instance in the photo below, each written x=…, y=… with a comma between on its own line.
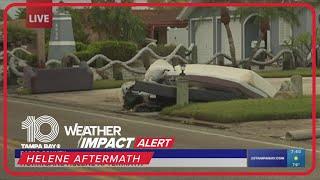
x=39, y=17
x=85, y=158
x=153, y=142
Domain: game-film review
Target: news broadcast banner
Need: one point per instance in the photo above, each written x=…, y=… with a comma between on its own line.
x=105, y=146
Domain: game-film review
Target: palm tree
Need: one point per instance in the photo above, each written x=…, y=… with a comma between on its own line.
x=263, y=18
x=21, y=13
x=225, y=19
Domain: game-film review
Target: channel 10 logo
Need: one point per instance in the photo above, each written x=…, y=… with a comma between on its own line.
x=33, y=126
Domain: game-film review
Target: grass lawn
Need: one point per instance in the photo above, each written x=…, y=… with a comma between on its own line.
x=107, y=84
x=23, y=91
x=246, y=110
x=305, y=72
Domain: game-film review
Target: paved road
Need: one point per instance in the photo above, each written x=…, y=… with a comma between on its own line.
x=187, y=136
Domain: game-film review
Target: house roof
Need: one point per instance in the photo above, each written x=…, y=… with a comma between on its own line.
x=160, y=17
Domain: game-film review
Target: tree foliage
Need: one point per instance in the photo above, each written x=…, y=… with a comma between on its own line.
x=1, y=15
x=107, y=23
x=302, y=42
x=117, y=24
x=79, y=26
x=20, y=36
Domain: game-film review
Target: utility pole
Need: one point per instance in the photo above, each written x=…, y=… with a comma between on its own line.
x=41, y=51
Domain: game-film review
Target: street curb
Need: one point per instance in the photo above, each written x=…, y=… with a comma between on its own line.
x=159, y=116
x=192, y=121
x=63, y=103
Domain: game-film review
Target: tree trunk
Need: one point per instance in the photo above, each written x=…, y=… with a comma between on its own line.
x=231, y=45
x=41, y=48
x=225, y=19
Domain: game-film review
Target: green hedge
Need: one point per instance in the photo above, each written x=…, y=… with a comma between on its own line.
x=115, y=50
x=81, y=46
x=85, y=55
x=19, y=35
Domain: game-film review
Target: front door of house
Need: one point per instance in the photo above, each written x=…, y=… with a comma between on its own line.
x=251, y=35
x=204, y=40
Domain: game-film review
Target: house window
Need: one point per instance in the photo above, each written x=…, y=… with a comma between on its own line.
x=285, y=31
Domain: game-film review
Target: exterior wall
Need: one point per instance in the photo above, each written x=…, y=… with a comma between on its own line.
x=199, y=15
x=218, y=37
x=305, y=19
x=195, y=24
x=274, y=39
x=177, y=36
x=275, y=45
x=202, y=14
x=215, y=24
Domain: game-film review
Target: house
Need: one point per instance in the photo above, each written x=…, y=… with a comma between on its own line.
x=176, y=36
x=209, y=35
x=157, y=22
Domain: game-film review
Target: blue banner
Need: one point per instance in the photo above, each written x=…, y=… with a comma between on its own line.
x=296, y=158
x=267, y=158
x=272, y=158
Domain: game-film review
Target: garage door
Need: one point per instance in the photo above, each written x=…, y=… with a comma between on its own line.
x=235, y=27
x=204, y=40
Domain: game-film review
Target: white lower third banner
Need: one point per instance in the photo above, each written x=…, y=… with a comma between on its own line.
x=131, y=157
x=159, y=158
